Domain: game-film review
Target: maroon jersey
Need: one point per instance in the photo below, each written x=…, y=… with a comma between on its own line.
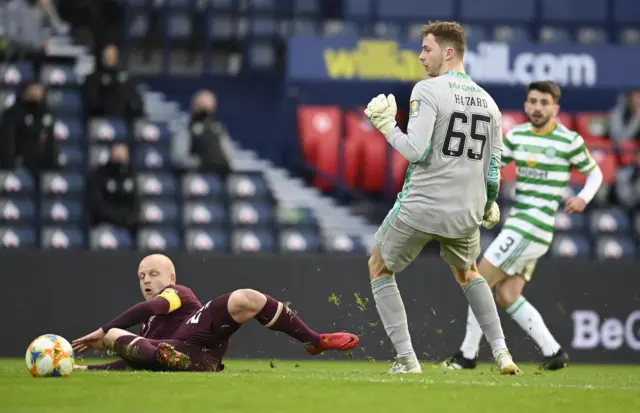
x=183, y=303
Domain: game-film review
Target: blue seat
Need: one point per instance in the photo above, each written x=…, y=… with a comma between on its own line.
x=554, y=35
x=248, y=213
x=159, y=184
x=357, y=9
x=159, y=212
x=609, y=221
x=340, y=29
x=16, y=73
x=197, y=185
x=247, y=185
x=57, y=76
x=292, y=240
x=225, y=5
x=308, y=7
x=263, y=27
x=206, y=240
x=61, y=211
x=302, y=27
x=151, y=132
x=221, y=28
x=627, y=36
x=511, y=34
x=108, y=130
x=16, y=182
x=179, y=26
x=17, y=210
x=344, y=243
x=137, y=3
x=626, y=11
x=296, y=217
x=570, y=222
x=389, y=31
x=62, y=183
x=159, y=239
x=71, y=157
x=498, y=11
x=245, y=240
x=615, y=247
x=179, y=4
x=63, y=101
x=98, y=155
x=12, y=237
x=412, y=10
x=69, y=129
x=106, y=237
x=574, y=11
x=262, y=6
x=570, y=246
x=476, y=33
x=138, y=28
x=150, y=158
x=262, y=55
x=62, y=238
x=201, y=213
x=592, y=35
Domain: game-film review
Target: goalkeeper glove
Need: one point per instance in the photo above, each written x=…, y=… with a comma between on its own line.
x=381, y=111
x=491, y=217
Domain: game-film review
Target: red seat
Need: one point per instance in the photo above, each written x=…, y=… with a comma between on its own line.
x=365, y=160
x=508, y=173
x=607, y=163
x=592, y=125
x=399, y=167
x=511, y=119
x=566, y=120
x=628, y=152
x=320, y=132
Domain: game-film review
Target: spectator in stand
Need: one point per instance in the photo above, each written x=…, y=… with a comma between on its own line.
x=624, y=119
x=112, y=197
x=206, y=145
x=626, y=190
x=110, y=91
x=27, y=133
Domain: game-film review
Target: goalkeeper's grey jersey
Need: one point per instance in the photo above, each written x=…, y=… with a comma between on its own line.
x=454, y=131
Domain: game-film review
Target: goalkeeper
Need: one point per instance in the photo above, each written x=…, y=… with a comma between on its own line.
x=453, y=145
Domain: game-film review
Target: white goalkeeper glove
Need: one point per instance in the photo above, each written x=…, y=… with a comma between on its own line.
x=491, y=217
x=381, y=111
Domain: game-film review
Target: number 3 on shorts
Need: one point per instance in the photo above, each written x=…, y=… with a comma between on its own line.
x=507, y=244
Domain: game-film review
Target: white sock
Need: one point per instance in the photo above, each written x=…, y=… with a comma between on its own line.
x=471, y=343
x=530, y=320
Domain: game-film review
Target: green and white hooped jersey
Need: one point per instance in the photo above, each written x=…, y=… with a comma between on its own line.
x=543, y=169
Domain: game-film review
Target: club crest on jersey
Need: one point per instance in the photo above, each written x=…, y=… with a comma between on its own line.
x=532, y=160
x=414, y=108
x=550, y=152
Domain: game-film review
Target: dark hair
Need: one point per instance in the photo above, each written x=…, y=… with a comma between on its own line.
x=549, y=87
x=450, y=33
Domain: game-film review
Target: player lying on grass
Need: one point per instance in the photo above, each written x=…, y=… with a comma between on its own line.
x=202, y=340
x=453, y=142
x=166, y=307
x=544, y=152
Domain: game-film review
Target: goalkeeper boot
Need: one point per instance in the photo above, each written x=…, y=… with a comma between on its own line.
x=333, y=341
x=505, y=363
x=405, y=365
x=459, y=362
x=168, y=356
x=558, y=361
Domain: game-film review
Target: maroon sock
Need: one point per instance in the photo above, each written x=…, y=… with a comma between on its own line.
x=141, y=351
x=276, y=316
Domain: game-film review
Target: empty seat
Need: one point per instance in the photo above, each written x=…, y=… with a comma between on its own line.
x=574, y=11
x=108, y=130
x=592, y=35
x=387, y=31
x=206, y=240
x=511, y=119
x=69, y=129
x=106, y=237
x=554, y=35
x=337, y=28
x=626, y=11
x=294, y=217
x=262, y=6
x=473, y=33
x=157, y=184
x=158, y=239
x=357, y=9
x=61, y=211
x=62, y=183
x=64, y=102
x=98, y=155
x=293, y=240
x=16, y=182
x=592, y=125
x=159, y=212
x=570, y=222
x=15, y=73
x=570, y=246
x=304, y=27
x=17, y=210
x=609, y=220
x=629, y=36
x=343, y=243
x=17, y=237
x=245, y=240
x=615, y=247
x=261, y=55
x=414, y=9
x=71, y=157
x=247, y=185
x=497, y=10
x=511, y=34
x=306, y=7
x=62, y=238
x=244, y=213
x=565, y=119
x=58, y=76
x=195, y=185
x=148, y=157
x=204, y=213
x=151, y=132
x=179, y=26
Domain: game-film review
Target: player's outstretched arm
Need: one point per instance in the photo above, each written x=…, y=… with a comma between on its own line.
x=140, y=313
x=585, y=164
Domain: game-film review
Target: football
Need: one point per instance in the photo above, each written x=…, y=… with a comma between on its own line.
x=49, y=356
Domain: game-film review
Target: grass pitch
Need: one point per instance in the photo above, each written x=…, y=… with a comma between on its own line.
x=285, y=386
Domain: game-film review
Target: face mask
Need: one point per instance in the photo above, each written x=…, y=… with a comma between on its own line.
x=201, y=115
x=32, y=106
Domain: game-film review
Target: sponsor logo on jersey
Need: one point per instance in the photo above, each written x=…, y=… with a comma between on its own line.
x=532, y=160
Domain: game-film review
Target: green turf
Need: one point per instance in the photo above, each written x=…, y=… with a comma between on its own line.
x=323, y=386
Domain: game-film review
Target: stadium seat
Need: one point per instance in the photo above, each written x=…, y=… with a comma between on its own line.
x=306, y=7
x=574, y=11
x=247, y=185
x=320, y=132
x=511, y=34
x=473, y=33
x=570, y=246
x=606, y=161
x=554, y=35
x=62, y=184
x=69, y=129
x=496, y=10
x=7, y=99
x=293, y=240
x=262, y=27
x=609, y=221
x=98, y=155
x=629, y=36
x=58, y=76
x=508, y=173
x=71, y=157
x=296, y=217
x=366, y=162
x=195, y=185
x=17, y=210
x=626, y=11
x=159, y=212
x=252, y=241
x=262, y=6
x=206, y=240
x=108, y=130
x=17, y=237
x=157, y=184
x=151, y=132
x=511, y=119
x=261, y=55
x=337, y=28
x=149, y=157
x=636, y=225
x=247, y=213
x=158, y=239
x=65, y=102
x=628, y=152
x=62, y=238
x=138, y=26
x=508, y=192
x=389, y=31
x=304, y=27
x=16, y=73
x=343, y=243
x=591, y=125
x=615, y=247
x=412, y=10
x=16, y=182
x=565, y=119
x=357, y=10
x=221, y=28
x=570, y=222
x=592, y=35
x=399, y=167
x=53, y=212
x=225, y=5
x=201, y=213
x=179, y=26
x=109, y=238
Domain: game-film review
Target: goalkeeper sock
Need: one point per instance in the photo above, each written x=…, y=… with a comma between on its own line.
x=484, y=308
x=392, y=313
x=530, y=320
x=472, y=337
